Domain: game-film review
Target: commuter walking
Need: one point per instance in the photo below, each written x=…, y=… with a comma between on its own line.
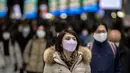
x=105, y=54
x=10, y=55
x=22, y=37
x=34, y=51
x=67, y=56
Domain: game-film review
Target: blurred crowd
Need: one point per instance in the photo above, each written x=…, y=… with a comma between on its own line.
x=22, y=44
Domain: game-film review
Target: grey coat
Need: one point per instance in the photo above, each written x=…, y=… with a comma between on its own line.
x=15, y=56
x=54, y=64
x=7, y=63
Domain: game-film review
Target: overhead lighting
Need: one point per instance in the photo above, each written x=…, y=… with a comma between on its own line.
x=63, y=15
x=83, y=16
x=113, y=15
x=120, y=14
x=49, y=16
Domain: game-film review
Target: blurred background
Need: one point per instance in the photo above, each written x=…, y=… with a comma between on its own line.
x=56, y=15
x=79, y=13
x=20, y=19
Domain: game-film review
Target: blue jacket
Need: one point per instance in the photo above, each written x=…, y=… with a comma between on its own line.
x=104, y=60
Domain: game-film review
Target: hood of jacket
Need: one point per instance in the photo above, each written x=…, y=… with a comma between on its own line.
x=50, y=53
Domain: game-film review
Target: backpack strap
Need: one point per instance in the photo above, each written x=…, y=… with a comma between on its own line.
x=113, y=47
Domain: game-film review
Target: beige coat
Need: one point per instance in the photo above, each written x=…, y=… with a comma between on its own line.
x=54, y=64
x=33, y=55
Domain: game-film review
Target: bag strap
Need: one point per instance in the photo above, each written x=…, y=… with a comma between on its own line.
x=113, y=47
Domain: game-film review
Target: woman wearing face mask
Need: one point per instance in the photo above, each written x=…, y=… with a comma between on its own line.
x=67, y=56
x=10, y=55
x=34, y=51
x=105, y=54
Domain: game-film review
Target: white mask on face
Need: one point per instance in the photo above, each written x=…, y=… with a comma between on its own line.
x=40, y=33
x=100, y=37
x=26, y=29
x=6, y=35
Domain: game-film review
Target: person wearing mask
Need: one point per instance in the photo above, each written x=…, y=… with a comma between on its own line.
x=67, y=56
x=10, y=54
x=85, y=37
x=22, y=37
x=106, y=57
x=125, y=49
x=34, y=51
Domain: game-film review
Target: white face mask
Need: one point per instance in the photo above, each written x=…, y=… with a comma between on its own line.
x=100, y=37
x=26, y=31
x=6, y=35
x=40, y=33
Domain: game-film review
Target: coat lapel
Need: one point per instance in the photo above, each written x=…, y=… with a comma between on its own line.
x=58, y=60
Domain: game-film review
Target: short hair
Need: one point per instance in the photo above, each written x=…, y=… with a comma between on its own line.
x=59, y=48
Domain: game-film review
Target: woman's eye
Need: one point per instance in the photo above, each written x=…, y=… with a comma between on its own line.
x=74, y=38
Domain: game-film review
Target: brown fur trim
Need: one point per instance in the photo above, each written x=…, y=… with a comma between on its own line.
x=86, y=54
x=48, y=55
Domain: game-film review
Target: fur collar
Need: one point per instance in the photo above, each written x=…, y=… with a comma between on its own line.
x=49, y=54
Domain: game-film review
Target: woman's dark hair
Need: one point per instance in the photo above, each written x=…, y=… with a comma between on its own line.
x=59, y=47
x=95, y=26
